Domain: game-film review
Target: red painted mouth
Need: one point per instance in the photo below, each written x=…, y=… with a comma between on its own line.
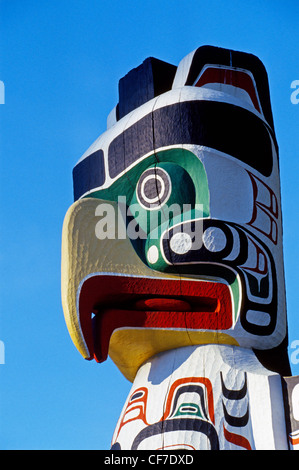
x=135, y=302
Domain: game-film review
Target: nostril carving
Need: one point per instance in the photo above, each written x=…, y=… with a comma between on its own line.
x=153, y=254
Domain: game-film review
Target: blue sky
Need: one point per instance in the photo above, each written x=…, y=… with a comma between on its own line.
x=60, y=62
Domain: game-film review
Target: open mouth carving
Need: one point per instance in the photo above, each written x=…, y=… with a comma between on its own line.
x=108, y=302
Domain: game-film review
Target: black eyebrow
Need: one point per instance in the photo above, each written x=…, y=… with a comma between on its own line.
x=221, y=126
x=89, y=174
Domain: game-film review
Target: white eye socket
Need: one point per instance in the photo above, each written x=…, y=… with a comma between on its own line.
x=153, y=188
x=181, y=243
x=214, y=239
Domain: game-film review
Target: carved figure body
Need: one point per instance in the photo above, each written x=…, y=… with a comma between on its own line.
x=172, y=257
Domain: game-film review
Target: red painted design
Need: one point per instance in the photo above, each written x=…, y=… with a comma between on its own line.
x=236, y=439
x=137, y=406
x=138, y=402
x=134, y=302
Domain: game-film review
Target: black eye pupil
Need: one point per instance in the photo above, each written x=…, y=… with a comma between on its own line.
x=153, y=188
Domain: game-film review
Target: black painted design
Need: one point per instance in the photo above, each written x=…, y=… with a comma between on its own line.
x=136, y=395
x=116, y=446
x=190, y=389
x=234, y=394
x=220, y=126
x=179, y=424
x=236, y=421
x=220, y=56
x=89, y=174
x=202, y=260
x=150, y=79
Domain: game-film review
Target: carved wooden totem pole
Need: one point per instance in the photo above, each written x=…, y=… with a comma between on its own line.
x=172, y=257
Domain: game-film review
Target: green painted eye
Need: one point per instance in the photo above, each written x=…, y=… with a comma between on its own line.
x=153, y=188
x=162, y=192
x=179, y=167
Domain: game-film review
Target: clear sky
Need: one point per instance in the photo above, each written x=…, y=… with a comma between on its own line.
x=60, y=62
